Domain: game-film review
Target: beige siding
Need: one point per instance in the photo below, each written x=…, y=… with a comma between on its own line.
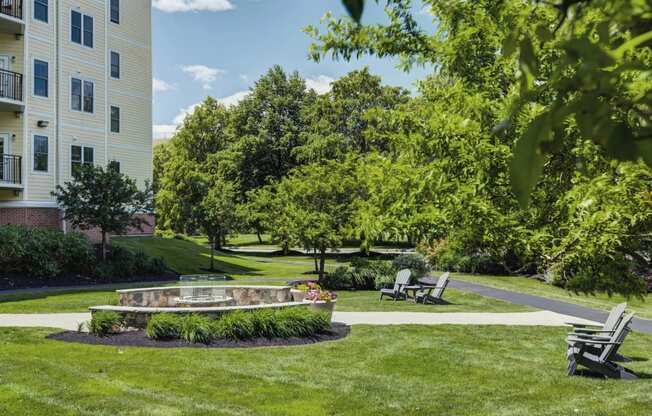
x=51, y=42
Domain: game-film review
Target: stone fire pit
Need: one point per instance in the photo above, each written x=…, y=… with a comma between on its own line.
x=137, y=305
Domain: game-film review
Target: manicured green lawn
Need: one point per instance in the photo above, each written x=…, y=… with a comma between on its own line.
x=404, y=370
x=458, y=301
x=642, y=307
x=192, y=257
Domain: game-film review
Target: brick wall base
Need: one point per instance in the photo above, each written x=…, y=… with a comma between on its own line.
x=31, y=217
x=50, y=218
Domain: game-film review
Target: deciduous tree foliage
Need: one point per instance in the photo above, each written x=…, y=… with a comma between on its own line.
x=105, y=199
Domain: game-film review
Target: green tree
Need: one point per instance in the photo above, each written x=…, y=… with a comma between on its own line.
x=337, y=122
x=217, y=216
x=104, y=199
x=186, y=173
x=316, y=205
x=268, y=126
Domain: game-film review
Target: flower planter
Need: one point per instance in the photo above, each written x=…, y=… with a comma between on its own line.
x=298, y=295
x=323, y=306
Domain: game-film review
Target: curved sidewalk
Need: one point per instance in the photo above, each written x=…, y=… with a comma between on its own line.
x=71, y=321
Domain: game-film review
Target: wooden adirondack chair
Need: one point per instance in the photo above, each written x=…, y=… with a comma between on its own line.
x=434, y=294
x=604, y=332
x=582, y=351
x=398, y=291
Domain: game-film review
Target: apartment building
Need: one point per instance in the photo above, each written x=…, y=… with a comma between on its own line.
x=75, y=88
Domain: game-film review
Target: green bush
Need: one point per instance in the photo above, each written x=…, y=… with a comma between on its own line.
x=338, y=280
x=416, y=263
x=196, y=329
x=300, y=322
x=164, y=326
x=237, y=325
x=43, y=253
x=105, y=323
x=125, y=263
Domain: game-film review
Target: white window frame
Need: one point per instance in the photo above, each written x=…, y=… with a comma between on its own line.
x=82, y=79
x=119, y=13
x=111, y=107
x=40, y=97
x=111, y=52
x=34, y=171
x=34, y=13
x=82, y=28
x=83, y=162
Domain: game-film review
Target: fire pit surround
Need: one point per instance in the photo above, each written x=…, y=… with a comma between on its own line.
x=137, y=305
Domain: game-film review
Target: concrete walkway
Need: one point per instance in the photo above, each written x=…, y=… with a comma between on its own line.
x=71, y=321
x=564, y=308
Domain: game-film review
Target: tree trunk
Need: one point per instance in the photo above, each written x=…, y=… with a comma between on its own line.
x=103, y=245
x=260, y=238
x=316, y=259
x=322, y=264
x=212, y=243
x=217, y=242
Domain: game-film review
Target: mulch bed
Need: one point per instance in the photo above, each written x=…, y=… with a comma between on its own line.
x=139, y=339
x=22, y=282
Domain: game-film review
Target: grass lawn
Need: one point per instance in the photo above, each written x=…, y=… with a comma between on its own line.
x=458, y=301
x=406, y=370
x=642, y=307
x=192, y=257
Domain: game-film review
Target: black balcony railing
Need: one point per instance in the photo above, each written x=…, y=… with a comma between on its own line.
x=11, y=85
x=11, y=169
x=13, y=8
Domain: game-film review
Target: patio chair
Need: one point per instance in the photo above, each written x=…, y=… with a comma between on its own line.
x=433, y=294
x=603, y=332
x=398, y=291
x=582, y=351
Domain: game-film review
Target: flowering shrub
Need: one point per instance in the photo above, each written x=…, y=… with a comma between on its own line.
x=316, y=295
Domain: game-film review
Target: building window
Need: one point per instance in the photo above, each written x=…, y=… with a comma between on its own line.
x=82, y=95
x=80, y=156
x=115, y=11
x=81, y=28
x=41, y=10
x=115, y=119
x=41, y=150
x=115, y=65
x=41, y=76
x=88, y=31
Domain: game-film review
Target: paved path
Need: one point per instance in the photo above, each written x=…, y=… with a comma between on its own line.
x=71, y=321
x=565, y=308
x=541, y=318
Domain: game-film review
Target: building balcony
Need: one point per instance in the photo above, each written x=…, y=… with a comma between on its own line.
x=11, y=172
x=11, y=17
x=11, y=91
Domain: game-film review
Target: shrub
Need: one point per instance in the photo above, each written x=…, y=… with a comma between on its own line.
x=300, y=322
x=196, y=329
x=164, y=326
x=339, y=279
x=43, y=253
x=125, y=263
x=238, y=325
x=105, y=323
x=416, y=263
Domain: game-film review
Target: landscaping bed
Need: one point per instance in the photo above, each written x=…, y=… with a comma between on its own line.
x=140, y=339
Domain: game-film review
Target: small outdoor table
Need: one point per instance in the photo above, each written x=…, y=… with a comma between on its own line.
x=414, y=289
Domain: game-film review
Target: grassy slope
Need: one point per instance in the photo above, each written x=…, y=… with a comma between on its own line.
x=407, y=370
x=642, y=307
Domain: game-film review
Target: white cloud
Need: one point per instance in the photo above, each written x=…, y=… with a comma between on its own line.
x=161, y=86
x=171, y=6
x=163, y=131
x=321, y=84
x=234, y=99
x=203, y=74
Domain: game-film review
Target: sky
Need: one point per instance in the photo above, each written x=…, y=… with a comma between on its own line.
x=221, y=47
